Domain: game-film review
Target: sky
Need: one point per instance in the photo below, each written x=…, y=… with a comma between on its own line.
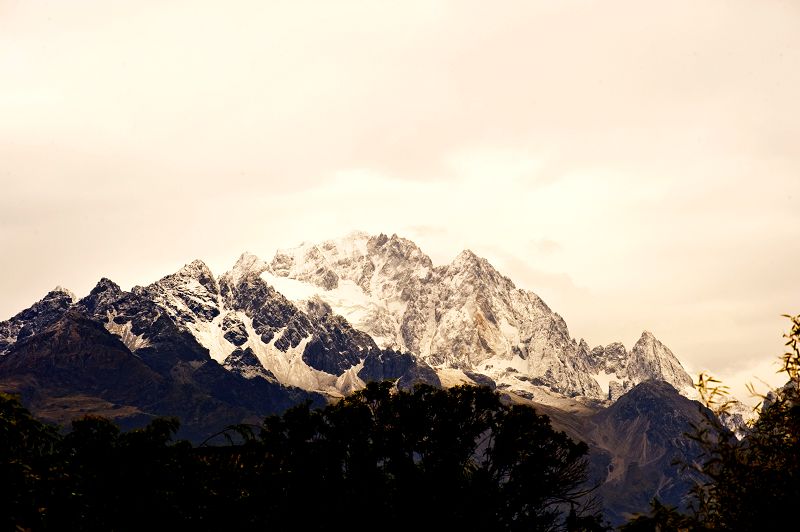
x=635, y=163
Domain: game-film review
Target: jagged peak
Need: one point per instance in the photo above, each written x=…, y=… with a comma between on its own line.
x=196, y=268
x=352, y=236
x=309, y=256
x=248, y=261
x=247, y=264
x=103, y=285
x=467, y=259
x=647, y=338
x=467, y=255
x=61, y=291
x=617, y=348
x=381, y=239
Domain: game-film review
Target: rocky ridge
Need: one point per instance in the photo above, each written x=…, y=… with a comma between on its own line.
x=328, y=317
x=319, y=321
x=465, y=316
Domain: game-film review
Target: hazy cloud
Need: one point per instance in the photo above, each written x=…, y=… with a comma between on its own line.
x=634, y=162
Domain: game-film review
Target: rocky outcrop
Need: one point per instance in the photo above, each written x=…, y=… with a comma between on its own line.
x=648, y=360
x=464, y=315
x=131, y=356
x=40, y=315
x=329, y=317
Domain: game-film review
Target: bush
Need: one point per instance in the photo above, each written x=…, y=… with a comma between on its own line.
x=430, y=458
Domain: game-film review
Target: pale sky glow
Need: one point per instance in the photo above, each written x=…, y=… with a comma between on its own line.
x=635, y=163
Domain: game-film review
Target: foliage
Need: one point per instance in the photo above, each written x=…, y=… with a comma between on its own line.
x=422, y=459
x=753, y=483
x=661, y=519
x=26, y=451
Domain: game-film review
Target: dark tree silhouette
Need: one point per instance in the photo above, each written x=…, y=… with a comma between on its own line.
x=27, y=448
x=429, y=458
x=445, y=458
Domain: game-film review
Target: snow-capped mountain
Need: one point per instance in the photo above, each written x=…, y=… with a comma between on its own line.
x=119, y=354
x=328, y=317
x=462, y=316
x=319, y=321
x=251, y=329
x=39, y=315
x=618, y=370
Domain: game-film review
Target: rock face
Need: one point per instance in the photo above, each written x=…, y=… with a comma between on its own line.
x=76, y=354
x=38, y=316
x=638, y=445
x=328, y=317
x=321, y=320
x=464, y=315
x=130, y=357
x=648, y=360
x=76, y=366
x=234, y=341
x=252, y=329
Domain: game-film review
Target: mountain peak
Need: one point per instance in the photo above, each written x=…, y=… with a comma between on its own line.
x=468, y=259
x=103, y=290
x=648, y=339
x=196, y=269
x=651, y=359
x=247, y=264
x=60, y=291
x=105, y=284
x=467, y=255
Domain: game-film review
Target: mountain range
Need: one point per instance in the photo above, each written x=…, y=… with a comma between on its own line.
x=317, y=322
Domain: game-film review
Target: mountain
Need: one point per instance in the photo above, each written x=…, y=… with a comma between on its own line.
x=327, y=317
x=639, y=444
x=252, y=329
x=37, y=317
x=462, y=316
x=119, y=354
x=618, y=370
x=319, y=321
x=222, y=350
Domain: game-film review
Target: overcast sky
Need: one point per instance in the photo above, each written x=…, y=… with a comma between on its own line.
x=635, y=163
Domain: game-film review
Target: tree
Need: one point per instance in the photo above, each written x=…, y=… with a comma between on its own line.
x=429, y=458
x=753, y=483
x=454, y=458
x=26, y=451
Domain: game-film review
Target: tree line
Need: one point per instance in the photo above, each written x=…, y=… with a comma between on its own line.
x=424, y=459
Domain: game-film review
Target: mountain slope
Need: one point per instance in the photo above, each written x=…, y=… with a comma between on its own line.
x=119, y=354
x=325, y=317
x=464, y=315
x=641, y=442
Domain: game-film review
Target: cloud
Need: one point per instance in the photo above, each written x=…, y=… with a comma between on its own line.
x=633, y=161
x=546, y=245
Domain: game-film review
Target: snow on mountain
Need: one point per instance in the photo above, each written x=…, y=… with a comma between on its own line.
x=250, y=328
x=464, y=315
x=619, y=370
x=330, y=316
x=40, y=315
